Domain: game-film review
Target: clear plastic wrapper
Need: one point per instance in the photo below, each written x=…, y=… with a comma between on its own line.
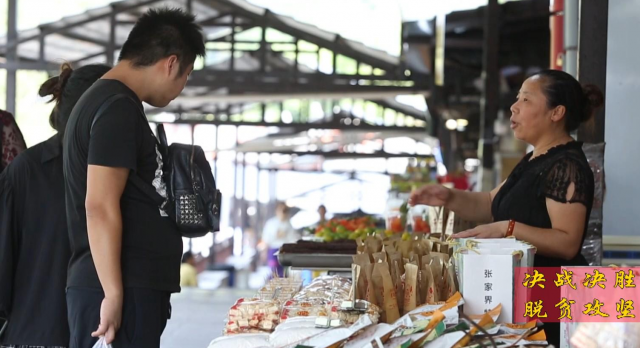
x=606, y=335
x=592, y=247
x=328, y=338
x=281, y=289
x=326, y=287
x=295, y=309
x=252, y=316
x=292, y=336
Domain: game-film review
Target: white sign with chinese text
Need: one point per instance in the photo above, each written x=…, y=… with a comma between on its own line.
x=488, y=281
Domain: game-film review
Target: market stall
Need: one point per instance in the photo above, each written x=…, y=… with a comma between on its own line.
x=404, y=290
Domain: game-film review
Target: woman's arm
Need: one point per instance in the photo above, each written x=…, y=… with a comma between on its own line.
x=562, y=240
x=472, y=206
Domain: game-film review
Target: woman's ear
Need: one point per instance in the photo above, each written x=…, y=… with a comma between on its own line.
x=558, y=113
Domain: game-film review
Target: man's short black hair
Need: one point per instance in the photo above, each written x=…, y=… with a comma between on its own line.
x=187, y=256
x=160, y=33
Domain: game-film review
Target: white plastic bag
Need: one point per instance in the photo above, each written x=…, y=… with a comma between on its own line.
x=102, y=343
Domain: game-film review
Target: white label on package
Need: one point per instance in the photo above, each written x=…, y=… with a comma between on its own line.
x=488, y=281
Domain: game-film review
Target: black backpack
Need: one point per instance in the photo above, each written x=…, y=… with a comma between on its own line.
x=192, y=199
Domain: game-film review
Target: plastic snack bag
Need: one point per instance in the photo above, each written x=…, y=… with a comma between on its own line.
x=102, y=343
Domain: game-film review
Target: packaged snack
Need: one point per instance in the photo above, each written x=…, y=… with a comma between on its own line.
x=410, y=288
x=280, y=289
x=434, y=282
x=378, y=287
x=369, y=294
x=390, y=298
x=398, y=282
x=380, y=257
x=252, y=316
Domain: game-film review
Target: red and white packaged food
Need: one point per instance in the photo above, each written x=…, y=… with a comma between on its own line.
x=252, y=316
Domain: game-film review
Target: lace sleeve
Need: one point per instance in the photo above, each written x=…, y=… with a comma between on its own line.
x=561, y=175
x=12, y=141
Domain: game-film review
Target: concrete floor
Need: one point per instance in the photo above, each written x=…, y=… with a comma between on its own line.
x=198, y=316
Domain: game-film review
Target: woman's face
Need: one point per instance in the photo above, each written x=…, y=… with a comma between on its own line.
x=530, y=116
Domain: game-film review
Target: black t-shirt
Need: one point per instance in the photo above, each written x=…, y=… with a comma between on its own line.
x=120, y=138
x=523, y=196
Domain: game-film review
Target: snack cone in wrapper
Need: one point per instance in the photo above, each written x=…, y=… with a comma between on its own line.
x=398, y=283
x=361, y=260
x=442, y=256
x=360, y=244
x=410, y=288
x=422, y=287
x=431, y=290
x=367, y=251
x=378, y=286
x=374, y=244
x=452, y=280
x=444, y=248
x=390, y=297
x=436, y=274
x=397, y=257
x=389, y=249
x=369, y=293
x=405, y=247
x=380, y=257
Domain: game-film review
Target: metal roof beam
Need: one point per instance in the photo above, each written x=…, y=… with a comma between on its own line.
x=50, y=29
x=298, y=127
x=22, y=65
x=336, y=46
x=81, y=37
x=337, y=154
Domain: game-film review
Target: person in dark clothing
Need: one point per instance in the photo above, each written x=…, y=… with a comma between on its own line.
x=126, y=252
x=547, y=199
x=34, y=244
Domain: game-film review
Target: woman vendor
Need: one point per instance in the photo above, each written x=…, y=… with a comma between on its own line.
x=546, y=200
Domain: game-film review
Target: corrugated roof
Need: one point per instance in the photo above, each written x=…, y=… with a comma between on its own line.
x=89, y=32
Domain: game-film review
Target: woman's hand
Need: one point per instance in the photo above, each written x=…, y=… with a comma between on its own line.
x=433, y=195
x=493, y=230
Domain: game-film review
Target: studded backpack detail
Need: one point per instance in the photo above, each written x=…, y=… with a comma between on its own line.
x=187, y=192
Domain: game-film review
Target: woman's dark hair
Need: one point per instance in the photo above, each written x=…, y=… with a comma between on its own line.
x=160, y=33
x=580, y=101
x=67, y=88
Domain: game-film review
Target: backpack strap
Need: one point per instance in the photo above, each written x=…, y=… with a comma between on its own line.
x=136, y=180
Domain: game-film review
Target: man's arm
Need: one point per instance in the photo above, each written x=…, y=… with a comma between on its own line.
x=104, y=226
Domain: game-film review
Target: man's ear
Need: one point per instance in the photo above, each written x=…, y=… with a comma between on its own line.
x=558, y=113
x=172, y=65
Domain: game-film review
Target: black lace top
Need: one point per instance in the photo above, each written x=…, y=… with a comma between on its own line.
x=523, y=196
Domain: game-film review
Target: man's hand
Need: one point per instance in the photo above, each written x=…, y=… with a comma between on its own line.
x=110, y=319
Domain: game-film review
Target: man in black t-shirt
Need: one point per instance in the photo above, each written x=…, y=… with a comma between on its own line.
x=125, y=251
